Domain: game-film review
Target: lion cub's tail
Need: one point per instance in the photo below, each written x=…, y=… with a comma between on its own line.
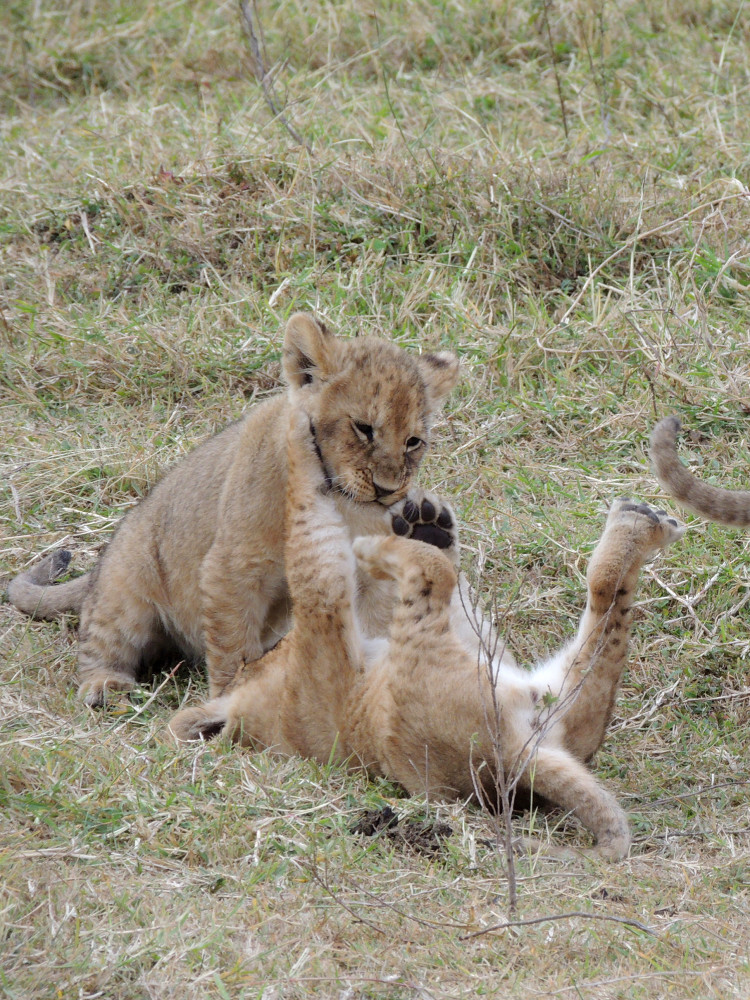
x=725, y=506
x=31, y=591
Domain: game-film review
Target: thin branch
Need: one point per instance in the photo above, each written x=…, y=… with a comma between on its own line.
x=147, y=704
x=396, y=118
x=561, y=916
x=254, y=32
x=505, y=783
x=5, y=324
x=705, y=790
x=312, y=870
x=689, y=835
x=558, y=82
x=377, y=902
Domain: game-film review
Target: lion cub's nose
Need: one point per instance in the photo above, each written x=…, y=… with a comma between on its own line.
x=383, y=491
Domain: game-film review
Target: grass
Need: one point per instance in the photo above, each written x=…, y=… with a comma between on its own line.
x=556, y=191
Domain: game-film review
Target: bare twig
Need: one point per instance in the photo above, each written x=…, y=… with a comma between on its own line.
x=377, y=901
x=150, y=700
x=312, y=870
x=545, y=11
x=705, y=790
x=254, y=32
x=561, y=916
x=488, y=636
x=395, y=116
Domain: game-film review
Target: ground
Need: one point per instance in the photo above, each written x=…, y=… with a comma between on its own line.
x=555, y=190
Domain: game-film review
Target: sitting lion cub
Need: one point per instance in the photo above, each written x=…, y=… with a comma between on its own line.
x=416, y=707
x=199, y=564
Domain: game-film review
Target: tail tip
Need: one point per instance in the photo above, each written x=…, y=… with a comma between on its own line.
x=667, y=427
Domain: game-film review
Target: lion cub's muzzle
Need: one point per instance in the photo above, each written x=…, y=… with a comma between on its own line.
x=363, y=489
x=387, y=494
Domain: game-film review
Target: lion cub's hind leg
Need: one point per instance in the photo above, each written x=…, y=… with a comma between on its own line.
x=634, y=532
x=401, y=724
x=566, y=782
x=586, y=674
x=426, y=517
x=408, y=561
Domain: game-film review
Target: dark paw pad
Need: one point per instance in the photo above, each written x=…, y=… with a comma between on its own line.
x=400, y=525
x=663, y=529
x=59, y=562
x=49, y=569
x=642, y=508
x=426, y=520
x=432, y=535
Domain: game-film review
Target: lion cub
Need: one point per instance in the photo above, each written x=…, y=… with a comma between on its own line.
x=725, y=506
x=417, y=707
x=199, y=564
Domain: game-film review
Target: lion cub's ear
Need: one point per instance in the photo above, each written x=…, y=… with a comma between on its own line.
x=440, y=374
x=309, y=350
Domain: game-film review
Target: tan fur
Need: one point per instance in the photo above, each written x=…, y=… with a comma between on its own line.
x=725, y=506
x=199, y=564
x=422, y=711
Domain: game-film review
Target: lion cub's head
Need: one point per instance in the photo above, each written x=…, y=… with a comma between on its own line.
x=371, y=403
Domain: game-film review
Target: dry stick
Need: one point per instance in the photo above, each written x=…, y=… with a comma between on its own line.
x=545, y=11
x=6, y=325
x=561, y=916
x=507, y=790
x=689, y=834
x=705, y=790
x=506, y=784
x=381, y=904
x=448, y=925
x=504, y=788
x=254, y=31
x=155, y=694
x=395, y=116
x=629, y=243
x=312, y=869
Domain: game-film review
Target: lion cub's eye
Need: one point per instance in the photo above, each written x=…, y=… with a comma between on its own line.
x=413, y=443
x=364, y=431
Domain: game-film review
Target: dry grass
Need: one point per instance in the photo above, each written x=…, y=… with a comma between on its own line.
x=556, y=191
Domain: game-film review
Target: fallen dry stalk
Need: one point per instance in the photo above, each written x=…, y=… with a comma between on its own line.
x=550, y=918
x=254, y=32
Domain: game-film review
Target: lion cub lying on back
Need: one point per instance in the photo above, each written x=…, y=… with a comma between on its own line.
x=417, y=707
x=199, y=564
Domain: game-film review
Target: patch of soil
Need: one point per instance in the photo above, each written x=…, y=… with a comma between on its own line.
x=421, y=837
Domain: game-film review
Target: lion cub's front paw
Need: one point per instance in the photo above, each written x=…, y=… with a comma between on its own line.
x=99, y=687
x=654, y=529
x=425, y=517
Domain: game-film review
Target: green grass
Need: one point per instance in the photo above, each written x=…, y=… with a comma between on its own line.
x=557, y=192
